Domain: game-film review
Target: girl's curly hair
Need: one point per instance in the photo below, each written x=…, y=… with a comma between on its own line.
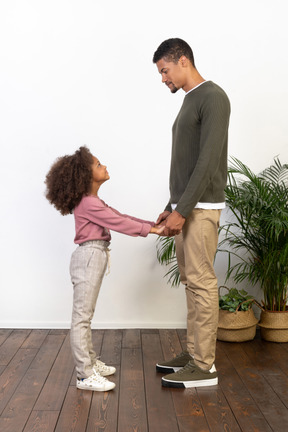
x=69, y=179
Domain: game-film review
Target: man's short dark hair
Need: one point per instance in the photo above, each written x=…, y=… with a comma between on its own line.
x=172, y=50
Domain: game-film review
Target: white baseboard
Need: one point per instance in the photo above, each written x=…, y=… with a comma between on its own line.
x=95, y=325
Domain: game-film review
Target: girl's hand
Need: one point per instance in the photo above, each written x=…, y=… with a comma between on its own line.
x=157, y=229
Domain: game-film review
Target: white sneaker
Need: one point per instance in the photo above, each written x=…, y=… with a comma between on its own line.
x=103, y=369
x=95, y=383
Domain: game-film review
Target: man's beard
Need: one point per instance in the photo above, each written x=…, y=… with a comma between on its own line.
x=174, y=89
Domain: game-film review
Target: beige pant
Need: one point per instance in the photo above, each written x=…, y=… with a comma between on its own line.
x=195, y=249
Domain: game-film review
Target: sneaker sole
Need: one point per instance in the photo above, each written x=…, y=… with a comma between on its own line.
x=99, y=389
x=189, y=384
x=167, y=369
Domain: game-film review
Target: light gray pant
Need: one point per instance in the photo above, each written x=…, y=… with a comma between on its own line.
x=87, y=269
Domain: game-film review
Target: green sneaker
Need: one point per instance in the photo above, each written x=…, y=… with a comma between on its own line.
x=191, y=376
x=175, y=364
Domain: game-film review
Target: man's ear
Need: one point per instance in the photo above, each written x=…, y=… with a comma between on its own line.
x=183, y=61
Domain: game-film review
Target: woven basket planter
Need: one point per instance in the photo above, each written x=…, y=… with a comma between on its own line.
x=236, y=326
x=274, y=326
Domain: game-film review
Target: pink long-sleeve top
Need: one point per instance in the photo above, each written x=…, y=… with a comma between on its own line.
x=94, y=219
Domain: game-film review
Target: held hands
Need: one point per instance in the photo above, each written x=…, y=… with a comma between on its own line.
x=173, y=223
x=162, y=217
x=157, y=229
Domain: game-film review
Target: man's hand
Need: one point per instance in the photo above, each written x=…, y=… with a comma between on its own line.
x=174, y=224
x=162, y=217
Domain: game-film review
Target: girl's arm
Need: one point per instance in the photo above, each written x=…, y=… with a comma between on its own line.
x=132, y=217
x=154, y=229
x=99, y=213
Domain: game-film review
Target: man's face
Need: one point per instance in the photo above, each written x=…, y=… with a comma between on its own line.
x=172, y=74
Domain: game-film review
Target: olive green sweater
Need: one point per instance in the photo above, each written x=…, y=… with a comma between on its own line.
x=199, y=149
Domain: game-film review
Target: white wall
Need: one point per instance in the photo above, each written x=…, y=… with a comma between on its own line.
x=80, y=72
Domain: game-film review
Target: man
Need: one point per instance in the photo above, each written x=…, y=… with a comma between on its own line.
x=198, y=177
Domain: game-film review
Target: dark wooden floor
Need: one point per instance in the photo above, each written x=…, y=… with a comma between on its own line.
x=38, y=393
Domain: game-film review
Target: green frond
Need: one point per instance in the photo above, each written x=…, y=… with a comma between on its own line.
x=166, y=255
x=256, y=237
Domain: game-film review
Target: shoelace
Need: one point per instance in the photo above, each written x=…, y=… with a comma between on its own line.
x=97, y=377
x=181, y=354
x=188, y=367
x=100, y=365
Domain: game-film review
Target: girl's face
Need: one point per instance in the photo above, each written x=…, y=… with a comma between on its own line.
x=99, y=172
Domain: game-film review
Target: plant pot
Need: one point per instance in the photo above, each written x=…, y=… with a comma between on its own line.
x=236, y=326
x=274, y=326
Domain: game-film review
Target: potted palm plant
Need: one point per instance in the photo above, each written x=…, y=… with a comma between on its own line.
x=256, y=239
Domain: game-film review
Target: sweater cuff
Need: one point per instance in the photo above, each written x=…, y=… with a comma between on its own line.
x=168, y=208
x=146, y=228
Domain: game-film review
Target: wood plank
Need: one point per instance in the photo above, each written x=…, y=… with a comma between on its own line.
x=132, y=405
x=59, y=332
x=42, y=421
x=4, y=333
x=188, y=409
x=21, y=404
x=217, y=410
x=131, y=339
x=111, y=348
x=150, y=331
x=74, y=414
x=9, y=348
x=103, y=415
x=284, y=345
x=277, y=379
x=35, y=339
x=246, y=412
x=56, y=385
x=13, y=374
x=160, y=408
x=278, y=353
x=275, y=412
x=171, y=345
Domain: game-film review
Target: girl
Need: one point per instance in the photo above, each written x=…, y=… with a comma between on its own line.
x=72, y=184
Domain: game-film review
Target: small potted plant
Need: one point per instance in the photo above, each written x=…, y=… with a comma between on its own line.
x=237, y=322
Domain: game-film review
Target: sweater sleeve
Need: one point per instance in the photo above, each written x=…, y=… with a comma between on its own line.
x=107, y=217
x=168, y=207
x=214, y=129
